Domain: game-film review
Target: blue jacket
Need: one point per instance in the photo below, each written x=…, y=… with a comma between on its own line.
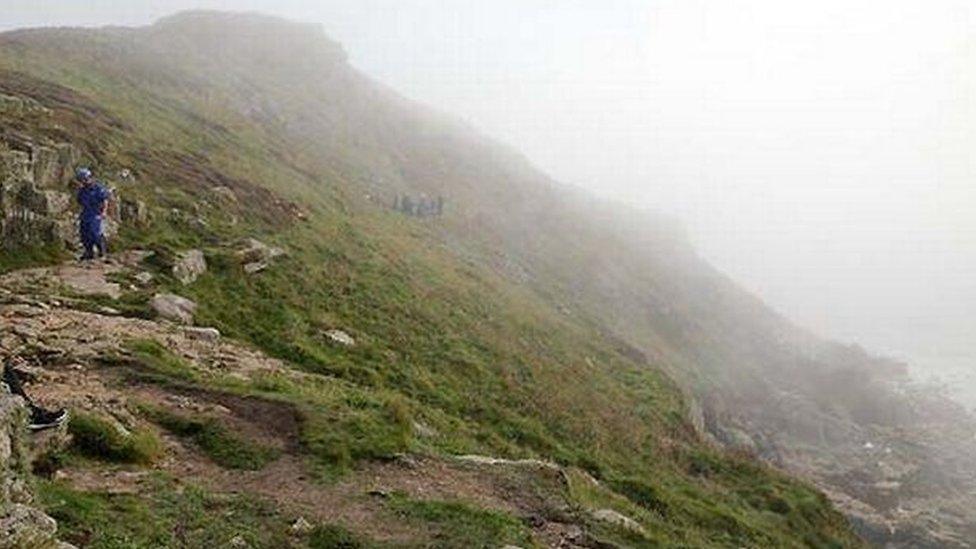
x=92, y=199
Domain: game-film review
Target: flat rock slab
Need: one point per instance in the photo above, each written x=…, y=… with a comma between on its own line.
x=89, y=280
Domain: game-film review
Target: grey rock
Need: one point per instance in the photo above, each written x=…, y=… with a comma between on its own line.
x=203, y=334
x=255, y=267
x=613, y=517
x=133, y=212
x=189, y=266
x=144, y=277
x=341, y=338
x=252, y=250
x=173, y=307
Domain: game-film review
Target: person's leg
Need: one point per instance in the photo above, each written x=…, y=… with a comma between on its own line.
x=89, y=253
x=89, y=238
x=102, y=246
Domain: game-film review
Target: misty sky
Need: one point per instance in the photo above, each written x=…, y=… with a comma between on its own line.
x=819, y=152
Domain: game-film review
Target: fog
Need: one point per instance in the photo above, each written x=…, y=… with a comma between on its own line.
x=818, y=152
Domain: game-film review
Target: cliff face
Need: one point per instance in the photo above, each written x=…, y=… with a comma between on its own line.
x=34, y=184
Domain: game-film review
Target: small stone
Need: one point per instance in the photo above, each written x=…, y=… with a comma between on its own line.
x=340, y=337
x=108, y=311
x=255, y=267
x=613, y=517
x=301, y=526
x=253, y=250
x=238, y=542
x=203, y=334
x=144, y=277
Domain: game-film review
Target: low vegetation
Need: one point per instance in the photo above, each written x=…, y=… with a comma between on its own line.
x=106, y=439
x=223, y=446
x=457, y=524
x=166, y=514
x=331, y=536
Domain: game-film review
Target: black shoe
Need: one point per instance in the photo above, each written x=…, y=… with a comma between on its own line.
x=45, y=419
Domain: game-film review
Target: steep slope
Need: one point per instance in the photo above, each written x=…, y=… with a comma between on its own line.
x=528, y=321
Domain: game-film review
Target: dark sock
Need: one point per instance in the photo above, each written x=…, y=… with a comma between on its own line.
x=13, y=381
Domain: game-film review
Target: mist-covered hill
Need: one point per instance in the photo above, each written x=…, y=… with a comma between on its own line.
x=525, y=320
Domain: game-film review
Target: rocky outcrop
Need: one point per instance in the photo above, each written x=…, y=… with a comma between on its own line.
x=22, y=525
x=35, y=198
x=256, y=256
x=189, y=266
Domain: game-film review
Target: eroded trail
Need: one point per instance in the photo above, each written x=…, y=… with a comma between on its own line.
x=84, y=356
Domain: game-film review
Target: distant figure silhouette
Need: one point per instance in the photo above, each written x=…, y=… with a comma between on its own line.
x=419, y=207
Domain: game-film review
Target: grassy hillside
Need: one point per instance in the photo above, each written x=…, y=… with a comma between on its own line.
x=528, y=321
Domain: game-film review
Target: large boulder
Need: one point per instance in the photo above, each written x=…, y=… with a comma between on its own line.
x=189, y=266
x=173, y=307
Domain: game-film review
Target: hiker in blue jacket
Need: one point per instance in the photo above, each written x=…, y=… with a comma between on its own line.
x=93, y=198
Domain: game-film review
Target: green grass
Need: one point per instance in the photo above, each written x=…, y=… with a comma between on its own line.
x=151, y=361
x=166, y=515
x=96, y=437
x=335, y=537
x=23, y=258
x=223, y=446
x=457, y=524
